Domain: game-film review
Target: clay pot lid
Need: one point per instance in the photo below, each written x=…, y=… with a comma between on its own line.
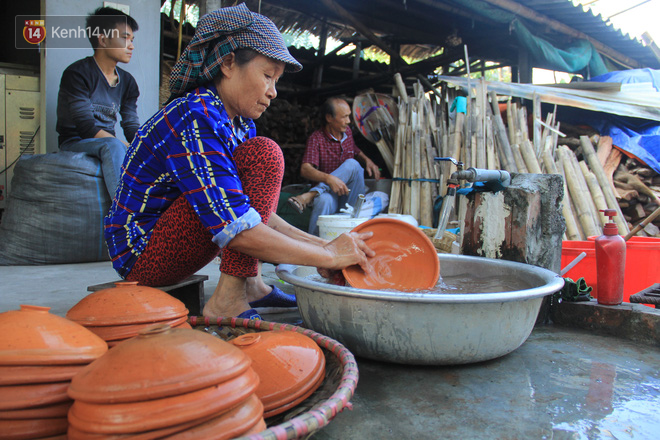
x=133, y=417
x=23, y=375
x=33, y=428
x=405, y=260
x=157, y=363
x=13, y=397
x=126, y=303
x=126, y=331
x=287, y=363
x=297, y=400
x=41, y=412
x=33, y=336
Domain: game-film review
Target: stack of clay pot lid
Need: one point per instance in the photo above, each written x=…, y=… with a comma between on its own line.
x=290, y=366
x=39, y=354
x=163, y=382
x=121, y=312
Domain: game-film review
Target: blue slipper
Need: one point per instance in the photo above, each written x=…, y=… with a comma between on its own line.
x=250, y=314
x=275, y=301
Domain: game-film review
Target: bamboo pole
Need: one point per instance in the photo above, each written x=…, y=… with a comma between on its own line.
x=596, y=192
x=511, y=110
x=395, y=193
x=531, y=162
x=507, y=159
x=517, y=156
x=572, y=230
x=569, y=201
x=596, y=167
x=578, y=193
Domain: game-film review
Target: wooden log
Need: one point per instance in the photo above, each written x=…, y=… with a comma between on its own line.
x=636, y=183
x=572, y=230
x=597, y=169
x=579, y=193
x=507, y=159
x=596, y=192
x=517, y=156
x=531, y=162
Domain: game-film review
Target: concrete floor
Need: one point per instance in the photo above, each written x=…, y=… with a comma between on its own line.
x=560, y=384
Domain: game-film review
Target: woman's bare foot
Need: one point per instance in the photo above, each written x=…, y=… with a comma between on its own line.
x=229, y=298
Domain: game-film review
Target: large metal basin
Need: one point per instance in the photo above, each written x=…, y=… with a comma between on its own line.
x=426, y=328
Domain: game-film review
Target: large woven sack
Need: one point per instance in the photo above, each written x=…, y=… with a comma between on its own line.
x=55, y=211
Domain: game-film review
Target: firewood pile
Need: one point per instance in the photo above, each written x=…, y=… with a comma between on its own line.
x=494, y=132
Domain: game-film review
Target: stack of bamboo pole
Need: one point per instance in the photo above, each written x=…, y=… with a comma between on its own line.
x=478, y=136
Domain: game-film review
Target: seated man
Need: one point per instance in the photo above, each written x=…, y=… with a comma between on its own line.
x=330, y=160
x=93, y=90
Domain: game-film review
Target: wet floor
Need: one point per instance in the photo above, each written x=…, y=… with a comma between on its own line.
x=560, y=384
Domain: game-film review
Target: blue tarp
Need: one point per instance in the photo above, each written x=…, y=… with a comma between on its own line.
x=639, y=137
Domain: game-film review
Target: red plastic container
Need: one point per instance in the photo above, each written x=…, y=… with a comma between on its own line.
x=610, y=262
x=642, y=268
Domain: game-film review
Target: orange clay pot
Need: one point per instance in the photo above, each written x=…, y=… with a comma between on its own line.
x=256, y=429
x=23, y=375
x=126, y=418
x=158, y=363
x=32, y=429
x=14, y=397
x=42, y=412
x=76, y=434
x=126, y=303
x=32, y=336
x=277, y=407
x=405, y=259
x=228, y=425
x=288, y=364
x=127, y=331
x=251, y=408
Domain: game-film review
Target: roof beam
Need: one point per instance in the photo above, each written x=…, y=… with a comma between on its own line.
x=558, y=26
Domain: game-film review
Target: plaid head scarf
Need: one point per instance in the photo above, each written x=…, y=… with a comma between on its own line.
x=220, y=33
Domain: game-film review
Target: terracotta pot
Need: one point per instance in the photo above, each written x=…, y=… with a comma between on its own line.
x=32, y=336
x=256, y=429
x=158, y=363
x=297, y=400
x=23, y=375
x=405, y=258
x=14, y=397
x=32, y=429
x=126, y=418
x=127, y=331
x=288, y=364
x=42, y=412
x=126, y=303
x=228, y=425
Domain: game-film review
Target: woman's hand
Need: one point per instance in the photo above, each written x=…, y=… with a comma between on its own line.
x=349, y=249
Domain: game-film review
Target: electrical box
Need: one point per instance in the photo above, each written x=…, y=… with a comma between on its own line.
x=19, y=125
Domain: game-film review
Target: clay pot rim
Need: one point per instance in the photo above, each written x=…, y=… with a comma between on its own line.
x=86, y=311
x=34, y=374
x=295, y=402
x=127, y=418
x=23, y=341
x=355, y=276
x=90, y=386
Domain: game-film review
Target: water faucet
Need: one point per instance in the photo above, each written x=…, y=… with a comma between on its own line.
x=503, y=179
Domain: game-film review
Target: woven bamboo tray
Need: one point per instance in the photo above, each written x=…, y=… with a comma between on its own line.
x=334, y=394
